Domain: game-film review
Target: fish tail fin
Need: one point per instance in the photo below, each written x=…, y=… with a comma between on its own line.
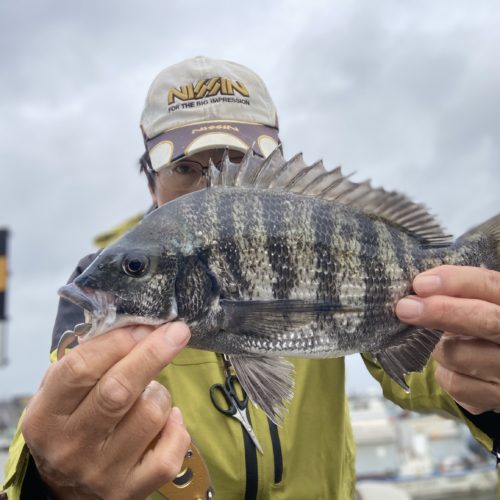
x=490, y=229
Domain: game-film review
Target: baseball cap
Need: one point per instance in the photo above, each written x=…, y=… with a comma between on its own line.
x=204, y=103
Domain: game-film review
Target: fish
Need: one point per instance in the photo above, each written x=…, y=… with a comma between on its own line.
x=274, y=259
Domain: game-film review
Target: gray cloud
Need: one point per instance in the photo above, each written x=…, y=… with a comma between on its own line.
x=406, y=95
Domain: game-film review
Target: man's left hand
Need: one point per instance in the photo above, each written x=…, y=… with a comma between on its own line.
x=464, y=302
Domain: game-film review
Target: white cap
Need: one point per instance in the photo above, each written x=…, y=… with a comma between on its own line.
x=203, y=103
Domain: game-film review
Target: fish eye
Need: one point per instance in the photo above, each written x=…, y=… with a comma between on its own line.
x=135, y=265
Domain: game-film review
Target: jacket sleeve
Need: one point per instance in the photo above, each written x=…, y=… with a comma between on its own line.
x=21, y=478
x=427, y=396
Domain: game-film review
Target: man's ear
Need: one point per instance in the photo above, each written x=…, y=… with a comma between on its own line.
x=154, y=198
x=145, y=168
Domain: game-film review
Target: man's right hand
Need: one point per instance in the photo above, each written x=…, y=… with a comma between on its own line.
x=99, y=427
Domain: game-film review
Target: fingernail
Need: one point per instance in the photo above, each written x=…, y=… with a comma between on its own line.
x=158, y=393
x=139, y=332
x=427, y=284
x=471, y=409
x=177, y=334
x=409, y=308
x=176, y=415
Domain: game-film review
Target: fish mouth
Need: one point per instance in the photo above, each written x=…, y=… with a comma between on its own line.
x=100, y=311
x=85, y=299
x=99, y=308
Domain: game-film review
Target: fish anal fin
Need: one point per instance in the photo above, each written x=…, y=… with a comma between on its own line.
x=268, y=381
x=409, y=352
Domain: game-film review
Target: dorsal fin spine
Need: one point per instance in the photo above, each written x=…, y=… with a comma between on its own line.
x=274, y=173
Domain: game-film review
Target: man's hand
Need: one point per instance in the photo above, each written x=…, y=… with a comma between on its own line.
x=99, y=427
x=465, y=303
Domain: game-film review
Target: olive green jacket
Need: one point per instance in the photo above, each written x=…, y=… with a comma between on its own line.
x=316, y=451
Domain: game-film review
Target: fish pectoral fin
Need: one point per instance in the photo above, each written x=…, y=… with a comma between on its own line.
x=409, y=352
x=267, y=317
x=268, y=381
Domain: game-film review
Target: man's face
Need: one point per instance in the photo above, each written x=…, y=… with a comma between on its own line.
x=187, y=175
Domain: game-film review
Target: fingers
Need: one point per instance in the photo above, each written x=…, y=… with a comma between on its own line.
x=69, y=380
x=460, y=281
x=463, y=316
x=469, y=356
x=476, y=396
x=141, y=425
x=116, y=392
x=90, y=430
x=469, y=371
x=466, y=302
x=163, y=461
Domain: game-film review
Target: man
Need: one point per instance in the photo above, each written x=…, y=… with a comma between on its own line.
x=101, y=427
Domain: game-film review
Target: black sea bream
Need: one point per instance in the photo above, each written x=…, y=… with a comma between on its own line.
x=278, y=259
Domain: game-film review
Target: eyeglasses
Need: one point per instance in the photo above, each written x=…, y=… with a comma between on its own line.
x=189, y=175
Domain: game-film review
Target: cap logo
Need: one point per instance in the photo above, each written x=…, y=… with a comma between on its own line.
x=208, y=128
x=207, y=88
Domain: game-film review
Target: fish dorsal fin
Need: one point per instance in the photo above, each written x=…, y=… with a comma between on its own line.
x=277, y=174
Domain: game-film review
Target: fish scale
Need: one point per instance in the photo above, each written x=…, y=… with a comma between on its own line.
x=280, y=224
x=276, y=259
x=230, y=254
x=304, y=257
x=370, y=298
x=324, y=262
x=251, y=239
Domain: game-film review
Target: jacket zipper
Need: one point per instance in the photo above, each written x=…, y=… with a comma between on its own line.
x=252, y=479
x=251, y=466
x=278, y=456
x=252, y=476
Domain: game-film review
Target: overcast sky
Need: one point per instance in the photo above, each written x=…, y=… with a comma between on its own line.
x=404, y=93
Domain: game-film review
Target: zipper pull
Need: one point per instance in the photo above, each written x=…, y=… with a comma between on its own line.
x=227, y=365
x=496, y=451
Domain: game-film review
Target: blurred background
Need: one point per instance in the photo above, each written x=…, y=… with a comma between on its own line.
x=405, y=94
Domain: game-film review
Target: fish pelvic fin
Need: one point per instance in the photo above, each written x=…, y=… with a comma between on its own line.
x=409, y=352
x=491, y=229
x=268, y=381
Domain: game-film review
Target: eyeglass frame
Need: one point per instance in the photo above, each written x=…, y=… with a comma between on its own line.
x=147, y=161
x=153, y=174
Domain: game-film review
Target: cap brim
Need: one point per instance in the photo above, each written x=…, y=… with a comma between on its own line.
x=184, y=141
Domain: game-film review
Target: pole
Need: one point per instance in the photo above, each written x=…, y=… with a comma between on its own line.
x=3, y=290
